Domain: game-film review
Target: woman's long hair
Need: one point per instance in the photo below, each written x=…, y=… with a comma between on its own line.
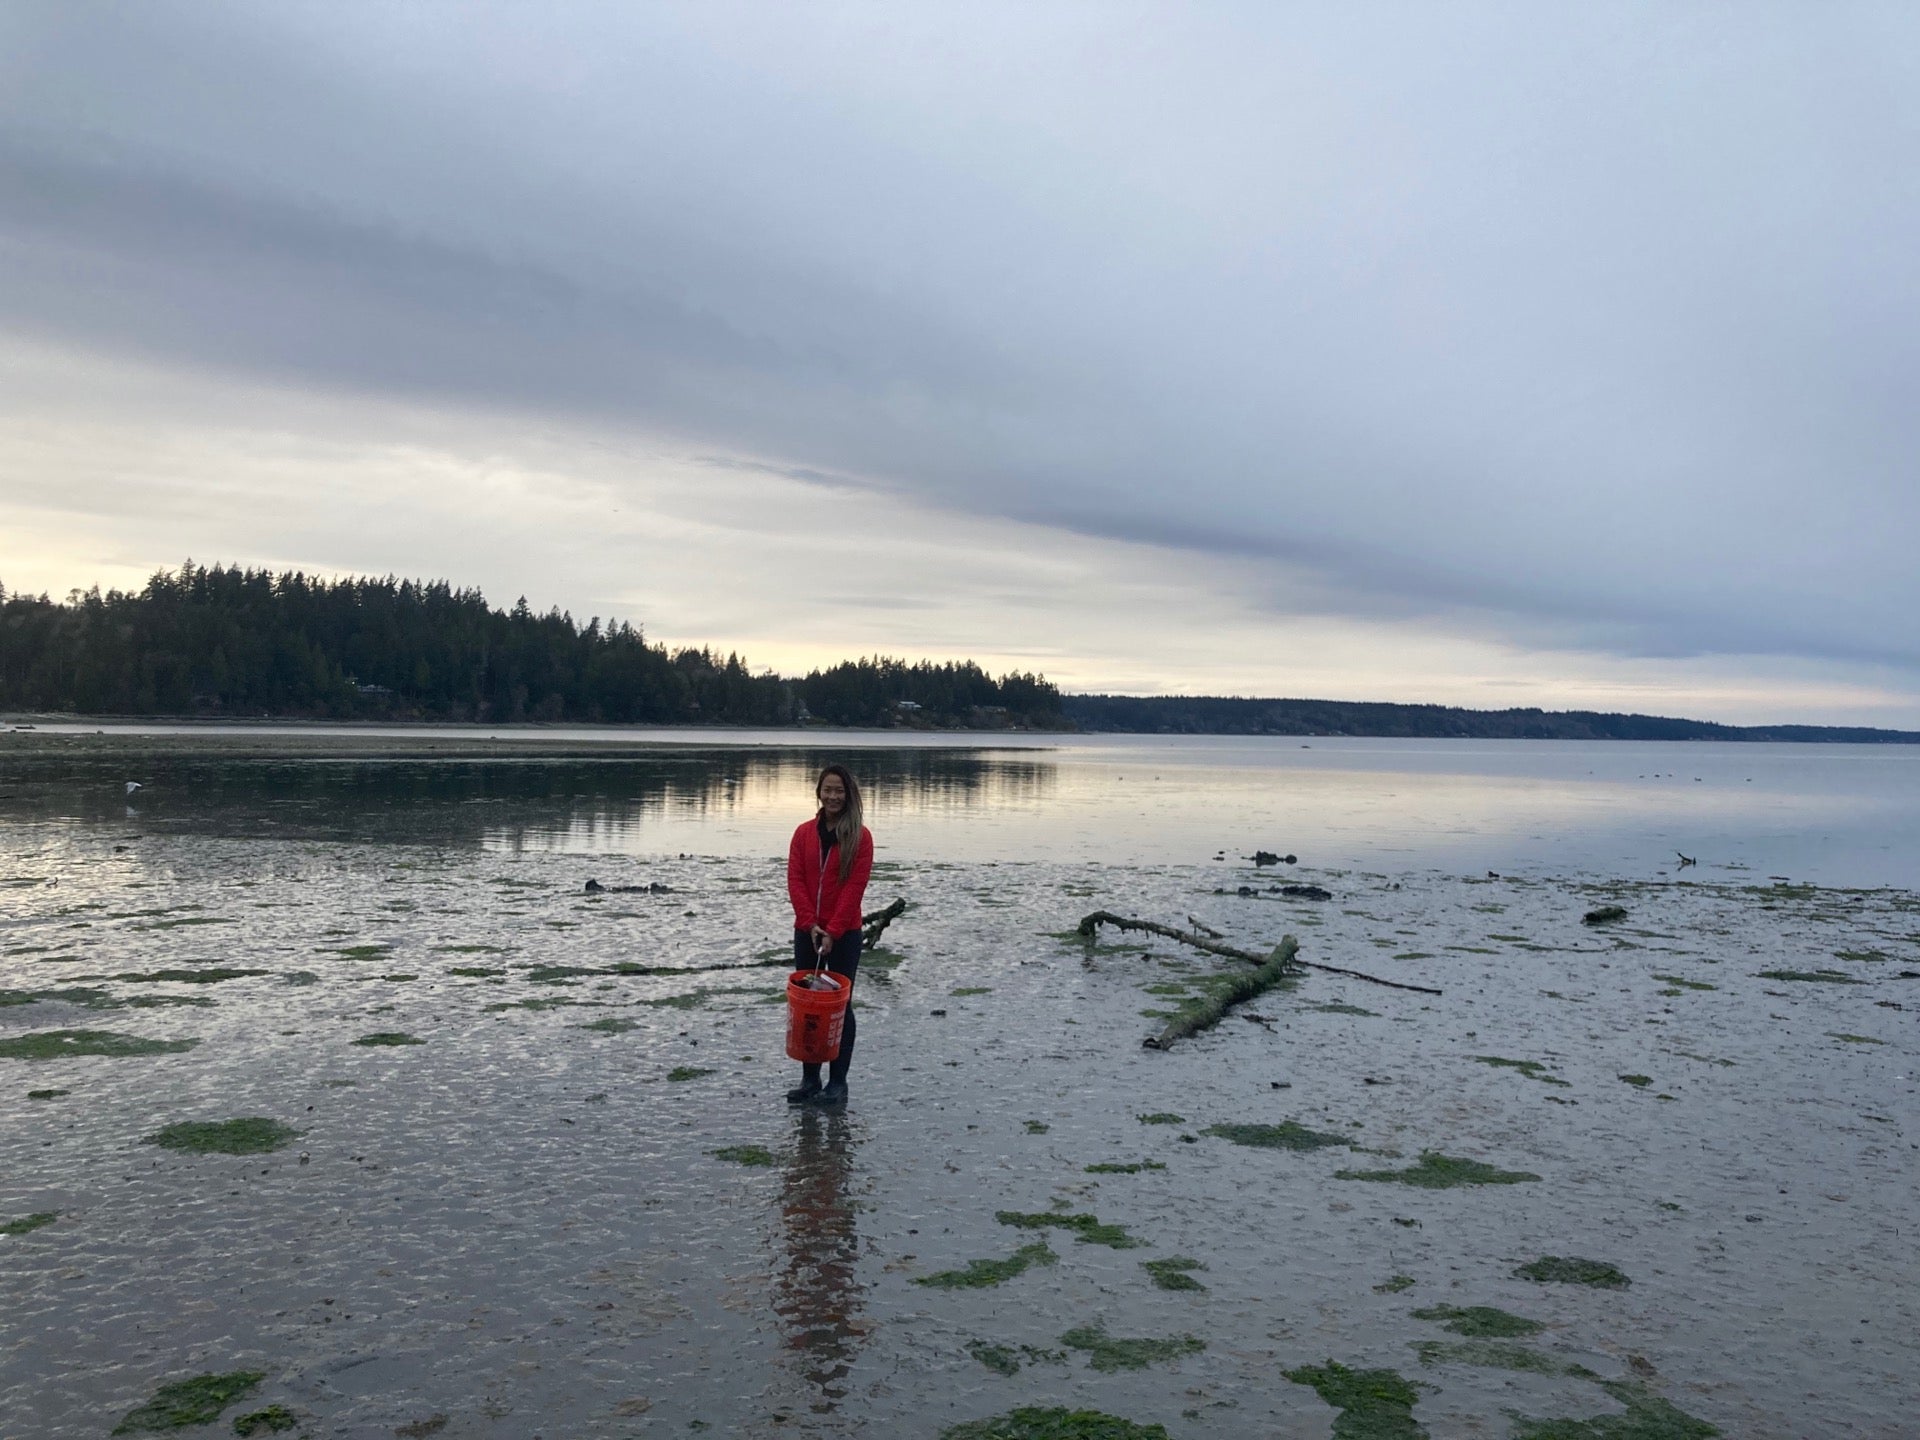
x=846, y=830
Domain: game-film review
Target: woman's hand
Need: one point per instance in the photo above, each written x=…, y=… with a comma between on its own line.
x=822, y=941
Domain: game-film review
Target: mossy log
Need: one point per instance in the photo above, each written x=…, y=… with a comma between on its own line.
x=1089, y=928
x=1275, y=968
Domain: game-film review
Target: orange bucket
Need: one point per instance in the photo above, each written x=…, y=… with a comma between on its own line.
x=816, y=1017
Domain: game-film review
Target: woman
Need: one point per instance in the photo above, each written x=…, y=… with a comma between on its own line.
x=827, y=868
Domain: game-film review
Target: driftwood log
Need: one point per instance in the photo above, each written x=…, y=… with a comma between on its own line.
x=1089, y=928
x=1275, y=968
x=873, y=926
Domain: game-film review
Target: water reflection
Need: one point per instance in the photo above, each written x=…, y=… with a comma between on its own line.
x=815, y=1291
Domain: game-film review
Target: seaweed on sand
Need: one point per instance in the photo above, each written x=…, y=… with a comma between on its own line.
x=1107, y=1352
x=1162, y=1117
x=270, y=1421
x=388, y=1037
x=1646, y=1417
x=1033, y=1422
x=1495, y=1355
x=1123, y=1167
x=745, y=1154
x=1812, y=977
x=1605, y=915
x=195, y=1401
x=688, y=1072
x=53, y=1044
x=1532, y=1069
x=1171, y=1273
x=1572, y=1270
x=28, y=1223
x=1288, y=1135
x=1373, y=1404
x=981, y=1274
x=1087, y=1229
x=249, y=1135
x=1434, y=1171
x=1480, y=1321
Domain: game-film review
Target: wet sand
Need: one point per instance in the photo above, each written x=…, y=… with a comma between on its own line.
x=521, y=1224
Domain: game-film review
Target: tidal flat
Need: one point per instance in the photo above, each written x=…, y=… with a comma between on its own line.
x=579, y=1205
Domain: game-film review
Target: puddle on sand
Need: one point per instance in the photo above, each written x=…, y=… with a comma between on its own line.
x=615, y=1226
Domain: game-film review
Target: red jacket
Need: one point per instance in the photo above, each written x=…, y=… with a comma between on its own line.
x=820, y=897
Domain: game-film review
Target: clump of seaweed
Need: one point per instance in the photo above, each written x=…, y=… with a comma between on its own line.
x=1037, y=1127
x=1493, y=1354
x=1853, y=1039
x=195, y=1401
x=270, y=1421
x=1480, y=1321
x=1005, y=1359
x=1341, y=1007
x=1033, y=1422
x=1126, y=1167
x=1373, y=1404
x=27, y=1223
x=980, y=1274
x=1171, y=1273
x=1163, y=1117
x=1434, y=1171
x=205, y=975
x=389, y=1037
x=249, y=1135
x=1532, y=1069
x=1572, y=1270
x=688, y=1072
x=1682, y=983
x=1288, y=1135
x=1605, y=915
x=1109, y=1352
x=745, y=1154
x=54, y=1044
x=610, y=1025
x=1087, y=1229
x=1646, y=1417
x=47, y=1094
x=1394, y=1284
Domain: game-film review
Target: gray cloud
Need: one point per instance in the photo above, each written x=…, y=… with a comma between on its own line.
x=1598, y=329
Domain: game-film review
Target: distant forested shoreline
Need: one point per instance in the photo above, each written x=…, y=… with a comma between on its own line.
x=1219, y=715
x=232, y=643
x=227, y=642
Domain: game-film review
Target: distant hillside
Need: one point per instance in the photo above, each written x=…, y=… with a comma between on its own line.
x=1216, y=715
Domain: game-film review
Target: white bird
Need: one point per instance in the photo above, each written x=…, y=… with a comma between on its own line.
x=132, y=785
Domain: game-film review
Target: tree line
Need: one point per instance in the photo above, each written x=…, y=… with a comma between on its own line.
x=243, y=643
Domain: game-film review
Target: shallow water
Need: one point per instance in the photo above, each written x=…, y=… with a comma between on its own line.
x=520, y=1224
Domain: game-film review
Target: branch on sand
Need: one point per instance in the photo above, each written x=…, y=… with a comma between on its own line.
x=1089, y=928
x=875, y=925
x=1275, y=968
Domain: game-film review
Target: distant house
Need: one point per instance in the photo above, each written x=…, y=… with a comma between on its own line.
x=907, y=705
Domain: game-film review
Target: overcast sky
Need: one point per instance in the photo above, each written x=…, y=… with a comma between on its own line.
x=1503, y=354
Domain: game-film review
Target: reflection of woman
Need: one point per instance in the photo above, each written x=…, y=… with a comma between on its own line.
x=816, y=1291
x=827, y=868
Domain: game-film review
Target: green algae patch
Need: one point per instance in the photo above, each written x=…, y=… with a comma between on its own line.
x=203, y=975
x=475, y=972
x=249, y=1135
x=1639, y=1082
x=389, y=1037
x=1032, y=1422
x=981, y=1274
x=197, y=1401
x=1853, y=1039
x=1493, y=1355
x=1111, y=1352
x=1171, y=1273
x=1572, y=1270
x=1163, y=1117
x=1480, y=1321
x=1127, y=1167
x=1393, y=1285
x=1006, y=1359
x=47, y=1094
x=1605, y=915
x=358, y=952
x=270, y=1421
x=1087, y=1229
x=53, y=1044
x=1340, y=1007
x=1646, y=1417
x=1682, y=983
x=1288, y=1135
x=1532, y=1069
x=1037, y=1127
x=1434, y=1171
x=745, y=1154
x=26, y=1224
x=1811, y=977
x=688, y=1072
x=966, y=990
x=1373, y=1404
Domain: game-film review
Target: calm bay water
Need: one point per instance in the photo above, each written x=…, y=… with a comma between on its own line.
x=1835, y=814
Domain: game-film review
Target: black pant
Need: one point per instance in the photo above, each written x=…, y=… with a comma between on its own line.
x=843, y=959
